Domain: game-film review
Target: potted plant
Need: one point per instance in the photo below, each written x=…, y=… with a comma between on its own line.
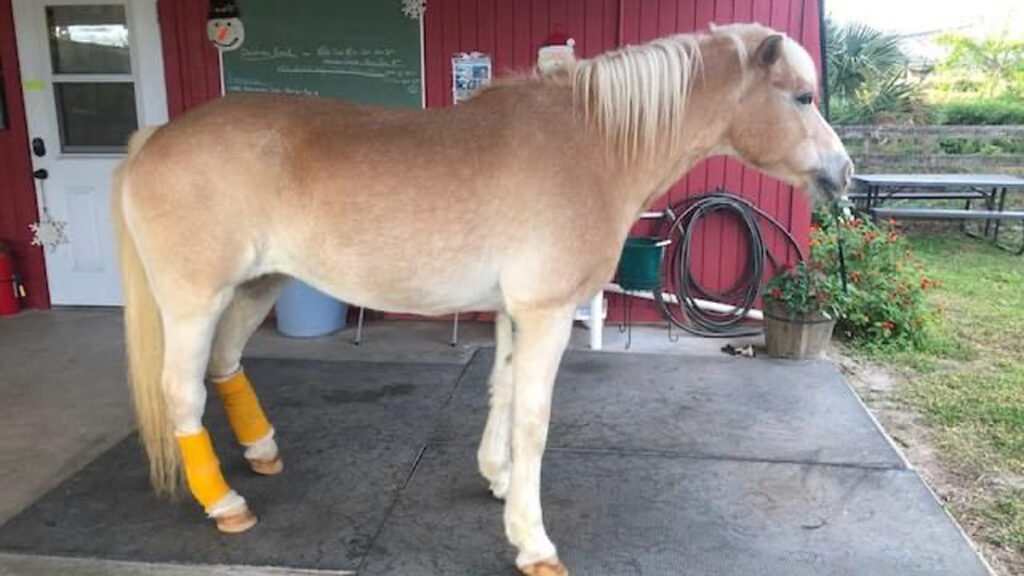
x=801, y=305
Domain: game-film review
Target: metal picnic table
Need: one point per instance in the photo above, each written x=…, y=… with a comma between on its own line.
x=872, y=190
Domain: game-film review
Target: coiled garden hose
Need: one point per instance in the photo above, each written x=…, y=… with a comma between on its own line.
x=678, y=280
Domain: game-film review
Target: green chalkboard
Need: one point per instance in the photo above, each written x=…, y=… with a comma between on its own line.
x=365, y=51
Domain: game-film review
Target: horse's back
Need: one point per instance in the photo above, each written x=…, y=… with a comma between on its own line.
x=304, y=186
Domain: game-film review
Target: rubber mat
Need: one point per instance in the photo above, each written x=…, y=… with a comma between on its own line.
x=659, y=465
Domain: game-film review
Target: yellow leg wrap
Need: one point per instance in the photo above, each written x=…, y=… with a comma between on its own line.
x=244, y=412
x=202, y=469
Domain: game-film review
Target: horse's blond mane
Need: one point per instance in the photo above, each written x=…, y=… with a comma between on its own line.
x=636, y=96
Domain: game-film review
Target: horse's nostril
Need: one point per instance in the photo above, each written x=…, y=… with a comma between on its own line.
x=828, y=184
x=837, y=172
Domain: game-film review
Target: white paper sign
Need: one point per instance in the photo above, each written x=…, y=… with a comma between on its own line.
x=470, y=73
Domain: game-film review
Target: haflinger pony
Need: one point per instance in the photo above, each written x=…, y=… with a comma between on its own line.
x=517, y=201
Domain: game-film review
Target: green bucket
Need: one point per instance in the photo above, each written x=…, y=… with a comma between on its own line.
x=640, y=263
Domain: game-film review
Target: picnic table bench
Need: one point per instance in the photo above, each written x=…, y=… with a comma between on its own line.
x=873, y=190
x=962, y=215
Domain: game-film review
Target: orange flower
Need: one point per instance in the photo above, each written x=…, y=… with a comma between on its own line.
x=855, y=276
x=888, y=326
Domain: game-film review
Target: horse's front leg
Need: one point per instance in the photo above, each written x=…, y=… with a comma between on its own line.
x=540, y=339
x=495, y=454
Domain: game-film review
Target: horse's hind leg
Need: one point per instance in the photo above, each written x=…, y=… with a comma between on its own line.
x=249, y=306
x=495, y=454
x=189, y=321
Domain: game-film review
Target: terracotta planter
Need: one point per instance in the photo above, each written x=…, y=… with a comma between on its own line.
x=795, y=337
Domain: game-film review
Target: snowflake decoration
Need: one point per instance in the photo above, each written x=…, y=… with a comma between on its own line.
x=414, y=9
x=49, y=233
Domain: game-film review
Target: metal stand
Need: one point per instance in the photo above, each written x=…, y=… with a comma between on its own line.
x=627, y=316
x=359, y=327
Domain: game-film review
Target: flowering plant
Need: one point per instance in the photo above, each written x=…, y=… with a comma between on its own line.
x=804, y=291
x=885, y=297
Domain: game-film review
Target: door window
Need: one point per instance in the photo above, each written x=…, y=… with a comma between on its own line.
x=93, y=86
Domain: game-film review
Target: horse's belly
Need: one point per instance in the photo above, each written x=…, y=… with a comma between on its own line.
x=435, y=300
x=410, y=290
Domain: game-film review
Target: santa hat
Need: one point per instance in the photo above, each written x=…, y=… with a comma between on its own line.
x=559, y=39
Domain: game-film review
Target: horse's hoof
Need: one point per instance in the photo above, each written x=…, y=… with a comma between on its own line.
x=237, y=522
x=549, y=567
x=267, y=467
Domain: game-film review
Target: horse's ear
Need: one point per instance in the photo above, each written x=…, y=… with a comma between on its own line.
x=769, y=50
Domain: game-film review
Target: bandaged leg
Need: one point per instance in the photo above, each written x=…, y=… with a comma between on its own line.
x=208, y=486
x=247, y=309
x=188, y=328
x=202, y=470
x=249, y=422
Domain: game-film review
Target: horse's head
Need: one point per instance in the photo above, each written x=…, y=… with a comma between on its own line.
x=778, y=127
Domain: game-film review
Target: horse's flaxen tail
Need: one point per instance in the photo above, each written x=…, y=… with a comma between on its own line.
x=143, y=336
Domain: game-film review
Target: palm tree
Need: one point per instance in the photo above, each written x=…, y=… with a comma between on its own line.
x=867, y=74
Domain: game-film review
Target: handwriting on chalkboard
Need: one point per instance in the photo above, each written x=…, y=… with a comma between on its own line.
x=241, y=84
x=377, y=63
x=265, y=54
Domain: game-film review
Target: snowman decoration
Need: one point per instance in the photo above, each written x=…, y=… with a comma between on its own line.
x=224, y=27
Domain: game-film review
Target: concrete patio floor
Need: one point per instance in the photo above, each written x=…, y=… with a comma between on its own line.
x=733, y=466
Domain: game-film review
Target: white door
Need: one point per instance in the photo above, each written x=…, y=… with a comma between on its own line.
x=91, y=73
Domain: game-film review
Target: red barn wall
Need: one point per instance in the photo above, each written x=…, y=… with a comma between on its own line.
x=17, y=189
x=511, y=32
x=191, y=63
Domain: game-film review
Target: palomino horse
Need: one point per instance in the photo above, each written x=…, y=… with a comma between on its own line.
x=517, y=201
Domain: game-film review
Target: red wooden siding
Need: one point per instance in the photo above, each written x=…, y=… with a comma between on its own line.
x=17, y=190
x=191, y=64
x=511, y=32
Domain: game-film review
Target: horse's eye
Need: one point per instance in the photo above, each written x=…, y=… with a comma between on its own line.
x=805, y=99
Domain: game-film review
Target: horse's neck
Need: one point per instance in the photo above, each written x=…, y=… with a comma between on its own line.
x=708, y=111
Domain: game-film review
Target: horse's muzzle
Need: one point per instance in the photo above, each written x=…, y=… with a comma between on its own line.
x=833, y=176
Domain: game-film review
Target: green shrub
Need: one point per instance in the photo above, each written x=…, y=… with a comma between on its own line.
x=885, y=304
x=975, y=112
x=985, y=147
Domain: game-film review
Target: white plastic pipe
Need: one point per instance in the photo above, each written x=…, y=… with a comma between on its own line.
x=709, y=305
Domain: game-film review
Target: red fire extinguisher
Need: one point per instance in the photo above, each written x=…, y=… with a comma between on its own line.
x=11, y=289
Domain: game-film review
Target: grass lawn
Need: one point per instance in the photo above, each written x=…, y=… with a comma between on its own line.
x=970, y=389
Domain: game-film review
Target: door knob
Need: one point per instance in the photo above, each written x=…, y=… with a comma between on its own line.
x=41, y=174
